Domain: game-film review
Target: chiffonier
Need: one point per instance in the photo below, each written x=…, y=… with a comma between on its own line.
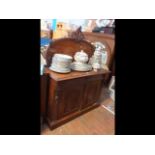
x=71, y=94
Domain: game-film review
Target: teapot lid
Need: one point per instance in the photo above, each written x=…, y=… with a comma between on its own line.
x=82, y=53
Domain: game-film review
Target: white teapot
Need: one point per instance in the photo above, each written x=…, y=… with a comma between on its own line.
x=81, y=57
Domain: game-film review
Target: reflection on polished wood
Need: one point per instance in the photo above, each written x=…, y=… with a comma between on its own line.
x=74, y=74
x=96, y=122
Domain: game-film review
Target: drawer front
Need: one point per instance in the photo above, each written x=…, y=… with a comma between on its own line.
x=71, y=83
x=95, y=78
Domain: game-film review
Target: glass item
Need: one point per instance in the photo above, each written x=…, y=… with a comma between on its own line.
x=41, y=69
x=96, y=66
x=104, y=57
x=96, y=60
x=101, y=47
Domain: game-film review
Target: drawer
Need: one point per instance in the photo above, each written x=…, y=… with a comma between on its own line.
x=71, y=83
x=95, y=78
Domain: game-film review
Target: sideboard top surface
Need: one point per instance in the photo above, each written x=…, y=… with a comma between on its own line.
x=73, y=74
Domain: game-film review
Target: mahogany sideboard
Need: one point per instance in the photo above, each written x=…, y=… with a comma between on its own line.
x=72, y=94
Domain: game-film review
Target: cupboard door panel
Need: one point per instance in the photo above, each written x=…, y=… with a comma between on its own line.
x=69, y=99
x=91, y=93
x=44, y=93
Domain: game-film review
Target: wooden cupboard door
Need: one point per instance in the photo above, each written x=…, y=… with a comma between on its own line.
x=92, y=92
x=44, y=93
x=69, y=98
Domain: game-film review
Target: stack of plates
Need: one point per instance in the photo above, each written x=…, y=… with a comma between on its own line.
x=80, y=66
x=61, y=63
x=60, y=70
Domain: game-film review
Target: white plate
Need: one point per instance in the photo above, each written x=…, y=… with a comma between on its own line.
x=60, y=70
x=84, y=67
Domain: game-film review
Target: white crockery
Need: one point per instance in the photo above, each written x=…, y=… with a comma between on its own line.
x=63, y=57
x=81, y=57
x=61, y=63
x=78, y=66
